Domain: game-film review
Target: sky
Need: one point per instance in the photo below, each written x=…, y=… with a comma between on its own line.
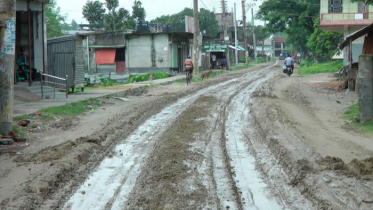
x=72, y=9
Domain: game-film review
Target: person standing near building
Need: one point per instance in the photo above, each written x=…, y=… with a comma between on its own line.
x=213, y=58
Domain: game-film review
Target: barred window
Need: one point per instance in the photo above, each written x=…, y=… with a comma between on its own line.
x=335, y=6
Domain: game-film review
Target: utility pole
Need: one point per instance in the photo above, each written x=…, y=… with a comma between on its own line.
x=254, y=39
x=195, y=37
x=244, y=31
x=224, y=19
x=235, y=35
x=7, y=43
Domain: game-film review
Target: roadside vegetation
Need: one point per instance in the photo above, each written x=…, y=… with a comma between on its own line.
x=309, y=67
x=352, y=115
x=57, y=115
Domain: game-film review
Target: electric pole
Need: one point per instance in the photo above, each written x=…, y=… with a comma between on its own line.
x=195, y=37
x=224, y=20
x=254, y=39
x=7, y=43
x=235, y=35
x=244, y=31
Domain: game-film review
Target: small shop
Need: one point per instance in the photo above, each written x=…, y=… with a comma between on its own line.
x=220, y=51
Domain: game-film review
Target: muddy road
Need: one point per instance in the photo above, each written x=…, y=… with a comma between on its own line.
x=194, y=154
x=250, y=140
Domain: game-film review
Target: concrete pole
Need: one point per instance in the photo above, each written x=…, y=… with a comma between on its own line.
x=235, y=35
x=365, y=87
x=7, y=37
x=254, y=39
x=225, y=31
x=244, y=31
x=195, y=38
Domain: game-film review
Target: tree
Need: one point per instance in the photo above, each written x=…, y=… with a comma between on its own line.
x=208, y=23
x=94, y=12
x=113, y=19
x=72, y=26
x=117, y=19
x=365, y=1
x=138, y=12
x=324, y=43
x=261, y=34
x=54, y=20
x=295, y=18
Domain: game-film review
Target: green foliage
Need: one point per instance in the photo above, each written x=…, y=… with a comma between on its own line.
x=324, y=43
x=138, y=12
x=295, y=18
x=208, y=22
x=72, y=26
x=94, y=12
x=18, y=130
x=72, y=109
x=114, y=19
x=351, y=114
x=261, y=60
x=365, y=1
x=107, y=82
x=261, y=34
x=145, y=77
x=54, y=20
x=315, y=68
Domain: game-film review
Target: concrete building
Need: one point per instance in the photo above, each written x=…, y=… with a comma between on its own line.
x=278, y=44
x=346, y=17
x=31, y=35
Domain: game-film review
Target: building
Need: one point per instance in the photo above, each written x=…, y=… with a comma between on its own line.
x=31, y=35
x=278, y=44
x=346, y=17
x=117, y=53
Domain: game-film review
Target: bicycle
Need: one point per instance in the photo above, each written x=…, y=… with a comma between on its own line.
x=188, y=77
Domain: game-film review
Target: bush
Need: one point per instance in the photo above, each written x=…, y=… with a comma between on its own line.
x=261, y=60
x=308, y=68
x=145, y=77
x=106, y=82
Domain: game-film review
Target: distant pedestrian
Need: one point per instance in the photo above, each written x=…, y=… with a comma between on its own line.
x=213, y=58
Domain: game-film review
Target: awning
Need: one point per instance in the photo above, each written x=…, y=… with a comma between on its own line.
x=357, y=34
x=105, y=56
x=106, y=46
x=239, y=48
x=215, y=50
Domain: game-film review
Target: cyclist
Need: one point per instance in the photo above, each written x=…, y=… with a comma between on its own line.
x=189, y=65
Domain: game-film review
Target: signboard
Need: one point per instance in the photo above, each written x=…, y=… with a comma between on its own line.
x=189, y=24
x=215, y=47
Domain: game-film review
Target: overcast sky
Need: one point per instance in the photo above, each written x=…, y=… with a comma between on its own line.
x=154, y=8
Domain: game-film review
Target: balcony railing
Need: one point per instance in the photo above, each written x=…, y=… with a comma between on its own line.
x=346, y=16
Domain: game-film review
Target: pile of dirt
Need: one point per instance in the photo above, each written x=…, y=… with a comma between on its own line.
x=362, y=168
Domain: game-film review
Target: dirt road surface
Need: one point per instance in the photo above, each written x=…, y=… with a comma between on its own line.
x=254, y=139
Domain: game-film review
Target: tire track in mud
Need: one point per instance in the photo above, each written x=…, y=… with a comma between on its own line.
x=116, y=175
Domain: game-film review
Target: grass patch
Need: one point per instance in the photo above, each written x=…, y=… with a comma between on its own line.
x=145, y=77
x=18, y=130
x=351, y=114
x=309, y=67
x=72, y=109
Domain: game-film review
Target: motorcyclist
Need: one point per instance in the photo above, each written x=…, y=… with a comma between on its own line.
x=289, y=61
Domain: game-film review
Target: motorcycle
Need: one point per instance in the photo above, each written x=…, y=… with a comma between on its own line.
x=287, y=70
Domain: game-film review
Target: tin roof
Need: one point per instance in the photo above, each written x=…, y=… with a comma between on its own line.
x=357, y=34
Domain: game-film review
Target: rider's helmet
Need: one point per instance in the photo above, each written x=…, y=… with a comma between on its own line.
x=188, y=56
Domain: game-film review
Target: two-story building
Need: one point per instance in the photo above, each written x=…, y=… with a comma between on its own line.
x=346, y=17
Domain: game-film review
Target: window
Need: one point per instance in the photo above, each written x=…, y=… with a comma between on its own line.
x=335, y=6
x=362, y=7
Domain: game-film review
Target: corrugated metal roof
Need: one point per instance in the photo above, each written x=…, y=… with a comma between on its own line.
x=352, y=37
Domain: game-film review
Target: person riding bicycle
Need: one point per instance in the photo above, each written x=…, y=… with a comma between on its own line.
x=289, y=61
x=189, y=65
